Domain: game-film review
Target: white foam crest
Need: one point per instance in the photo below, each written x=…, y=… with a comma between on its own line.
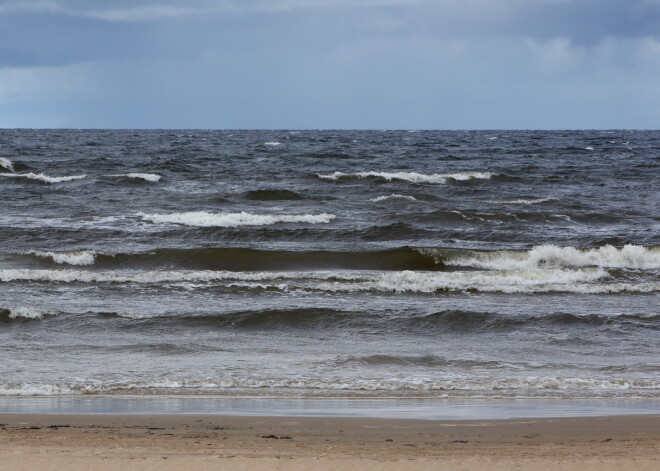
x=456, y=383
x=27, y=389
x=521, y=201
x=629, y=256
x=392, y=197
x=43, y=178
x=207, y=219
x=150, y=177
x=161, y=276
x=6, y=163
x=410, y=176
x=521, y=281
x=272, y=143
x=74, y=257
x=26, y=312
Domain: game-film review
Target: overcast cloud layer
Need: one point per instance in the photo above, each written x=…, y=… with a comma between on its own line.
x=330, y=64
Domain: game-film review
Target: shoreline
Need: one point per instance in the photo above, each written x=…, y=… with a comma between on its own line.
x=174, y=441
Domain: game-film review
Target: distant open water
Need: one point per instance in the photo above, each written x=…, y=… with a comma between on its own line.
x=330, y=263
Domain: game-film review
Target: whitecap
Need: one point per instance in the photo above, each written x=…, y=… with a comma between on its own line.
x=74, y=257
x=6, y=163
x=392, y=197
x=43, y=178
x=521, y=201
x=272, y=143
x=586, y=280
x=26, y=312
x=207, y=219
x=413, y=177
x=150, y=177
x=629, y=256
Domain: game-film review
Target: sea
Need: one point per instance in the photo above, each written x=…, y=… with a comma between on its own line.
x=330, y=264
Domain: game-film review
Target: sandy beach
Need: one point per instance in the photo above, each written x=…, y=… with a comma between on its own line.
x=200, y=442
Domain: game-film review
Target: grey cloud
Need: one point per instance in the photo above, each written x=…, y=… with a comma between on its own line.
x=331, y=63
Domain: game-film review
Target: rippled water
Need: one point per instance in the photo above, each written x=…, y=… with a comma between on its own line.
x=330, y=263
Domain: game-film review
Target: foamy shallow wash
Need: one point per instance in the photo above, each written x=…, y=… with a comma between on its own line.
x=424, y=264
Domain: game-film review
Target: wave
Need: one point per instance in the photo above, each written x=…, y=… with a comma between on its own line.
x=470, y=321
x=392, y=197
x=551, y=256
x=242, y=259
x=43, y=178
x=409, y=176
x=271, y=195
x=7, y=164
x=454, y=321
x=459, y=385
x=522, y=201
x=585, y=281
x=25, y=313
x=402, y=258
x=315, y=318
x=207, y=219
x=272, y=143
x=150, y=177
x=74, y=257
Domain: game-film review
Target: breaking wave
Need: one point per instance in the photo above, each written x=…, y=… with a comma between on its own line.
x=458, y=385
x=392, y=197
x=549, y=256
x=207, y=219
x=74, y=257
x=24, y=312
x=43, y=178
x=6, y=163
x=586, y=281
x=409, y=176
x=150, y=177
x=522, y=201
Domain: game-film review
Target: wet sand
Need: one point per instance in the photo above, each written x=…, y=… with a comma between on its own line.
x=200, y=442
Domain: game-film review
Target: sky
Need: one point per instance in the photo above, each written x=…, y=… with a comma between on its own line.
x=330, y=64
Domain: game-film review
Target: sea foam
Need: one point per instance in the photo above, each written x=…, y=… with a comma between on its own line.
x=629, y=256
x=150, y=177
x=74, y=257
x=43, y=178
x=409, y=176
x=6, y=163
x=521, y=201
x=461, y=385
x=392, y=197
x=586, y=280
x=208, y=219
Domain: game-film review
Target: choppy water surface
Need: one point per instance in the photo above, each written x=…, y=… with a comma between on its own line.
x=330, y=263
